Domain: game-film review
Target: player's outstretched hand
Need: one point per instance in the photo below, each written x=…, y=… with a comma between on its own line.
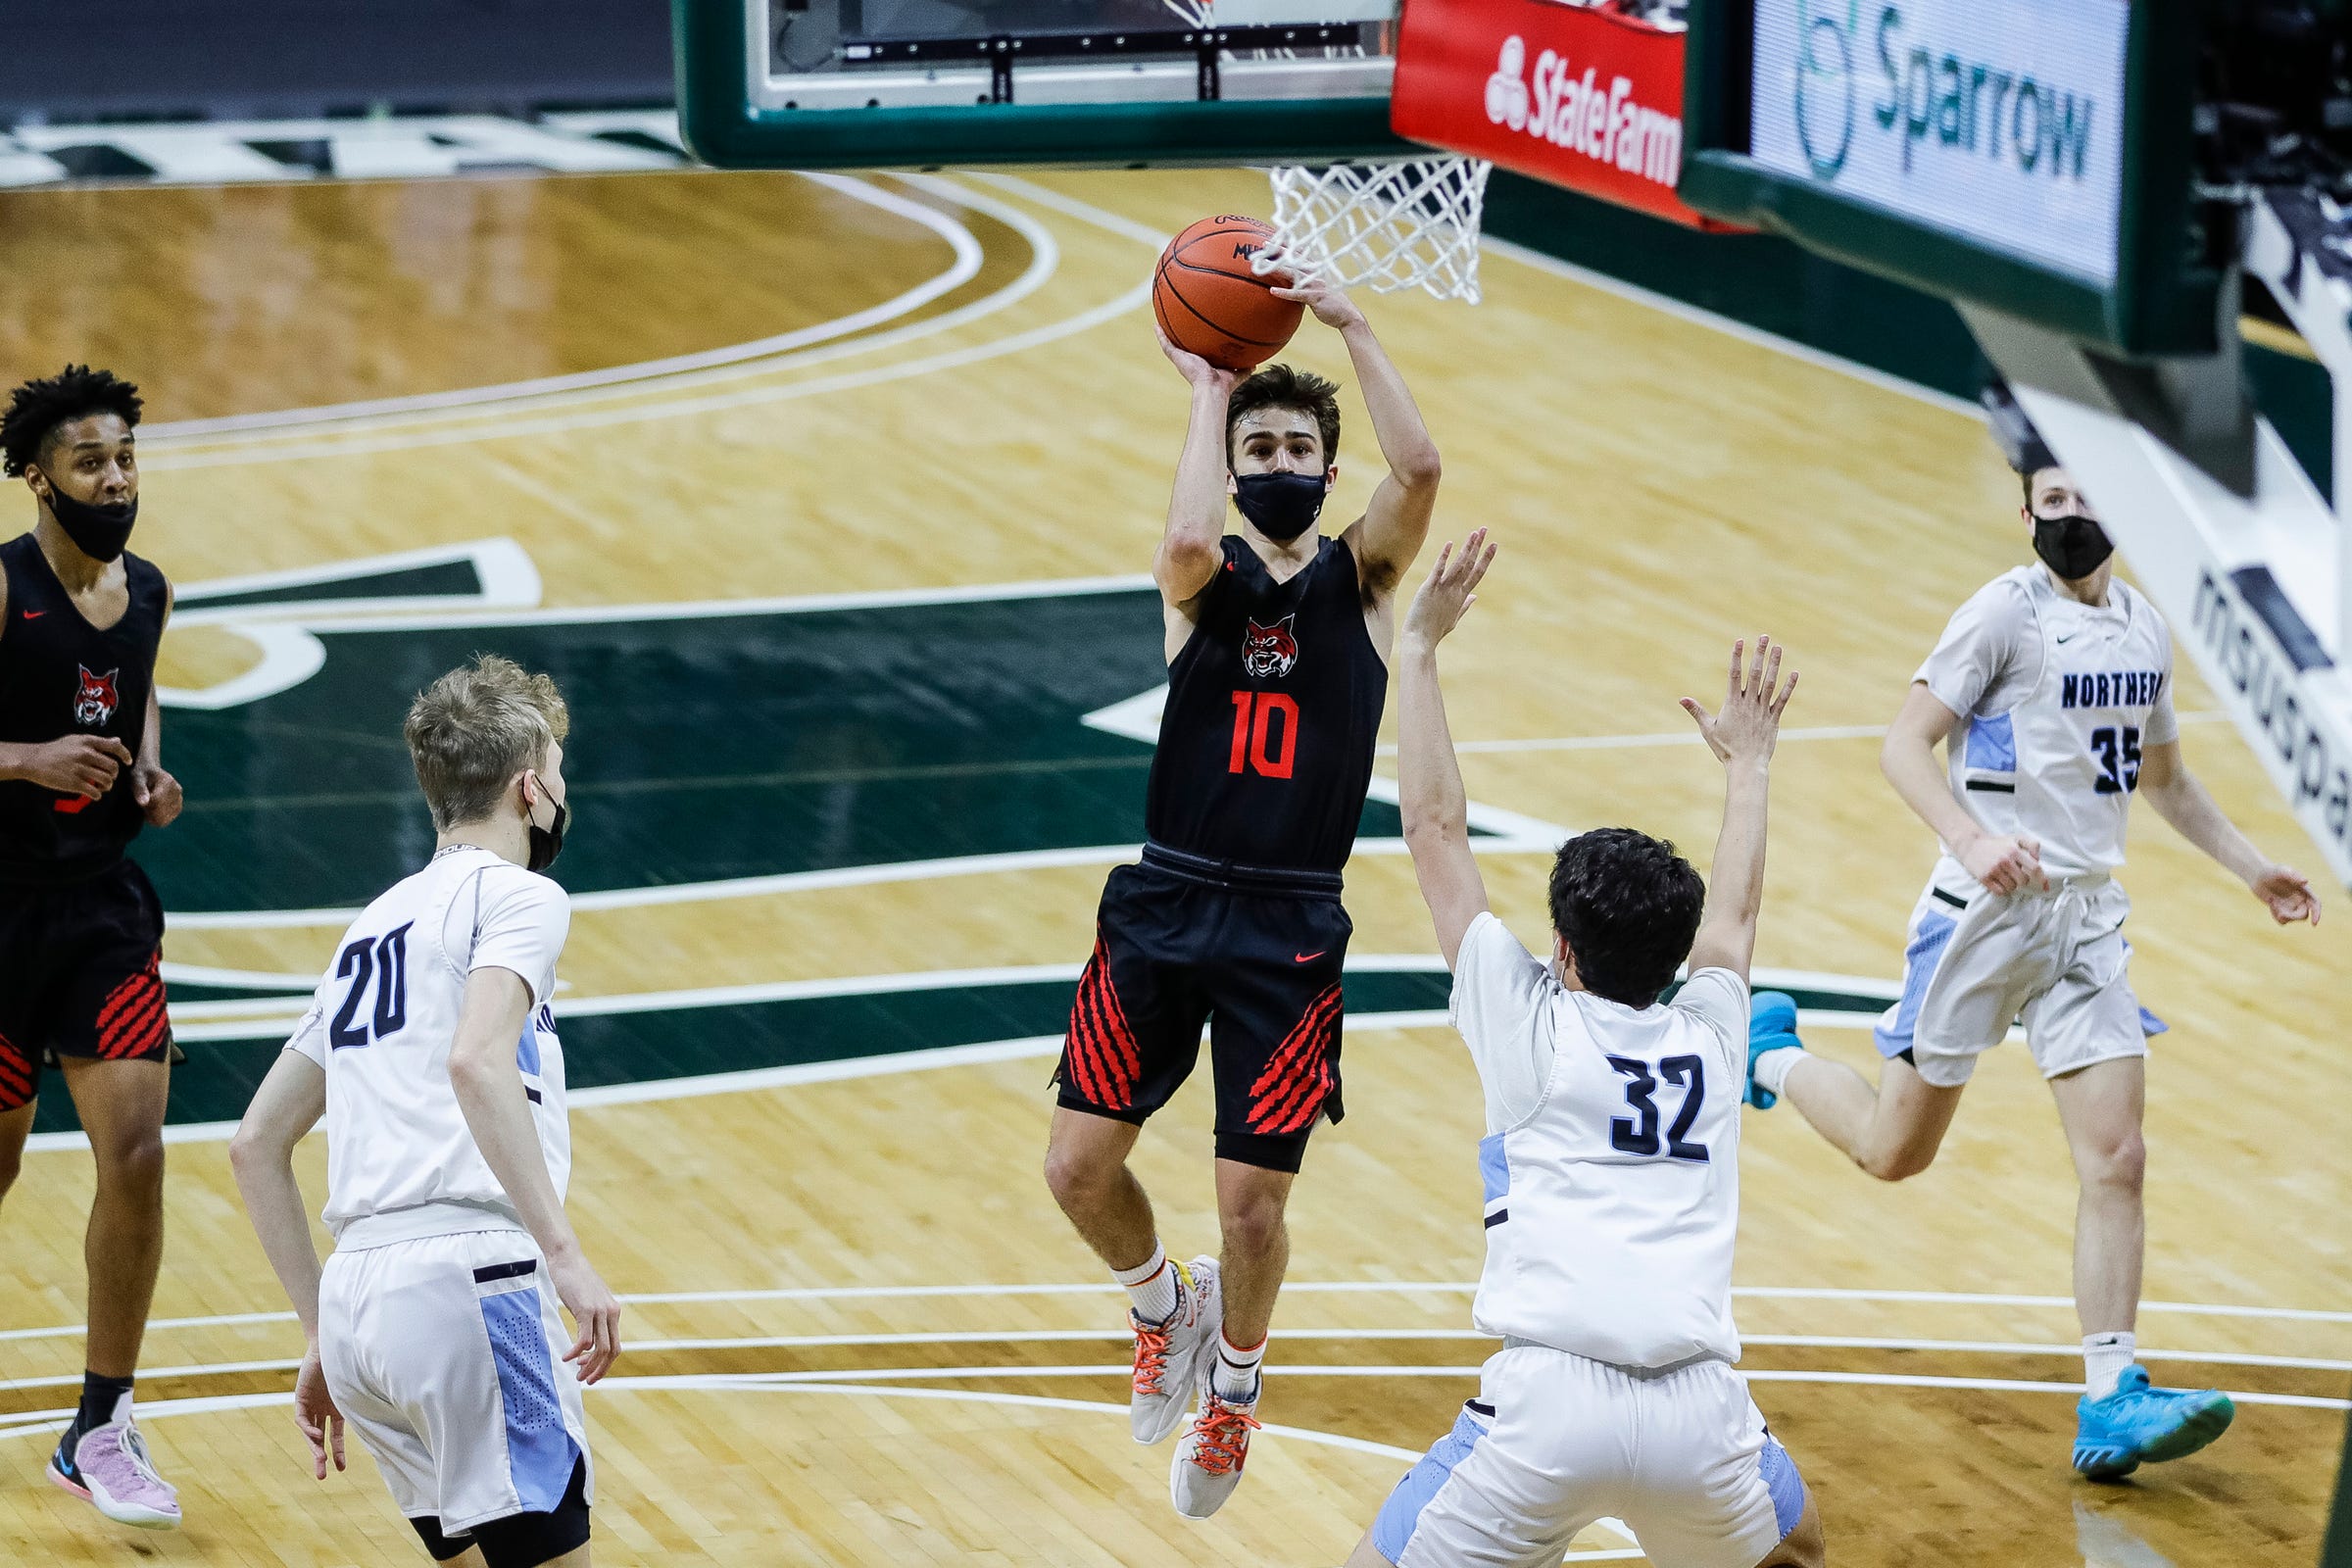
x=1749, y=724
x=1449, y=591
x=78, y=765
x=595, y=1312
x=2005, y=862
x=1329, y=303
x=315, y=1413
x=1191, y=366
x=2287, y=893
x=158, y=794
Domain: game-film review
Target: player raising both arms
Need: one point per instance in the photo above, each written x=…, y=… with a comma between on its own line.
x=1611, y=1165
x=1276, y=639
x=80, y=927
x=2052, y=693
x=432, y=1051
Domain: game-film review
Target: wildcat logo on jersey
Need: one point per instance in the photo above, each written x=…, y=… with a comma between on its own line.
x=1269, y=650
x=97, y=701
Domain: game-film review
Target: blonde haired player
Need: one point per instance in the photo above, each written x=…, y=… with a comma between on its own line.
x=1611, y=1165
x=2052, y=693
x=431, y=1052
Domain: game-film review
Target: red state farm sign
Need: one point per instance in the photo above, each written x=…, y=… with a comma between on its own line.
x=1570, y=94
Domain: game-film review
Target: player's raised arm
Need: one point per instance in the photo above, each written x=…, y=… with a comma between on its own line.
x=1429, y=779
x=1190, y=550
x=1392, y=529
x=490, y=1093
x=1741, y=737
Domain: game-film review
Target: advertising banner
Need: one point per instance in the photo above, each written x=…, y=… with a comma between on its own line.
x=1570, y=94
x=2001, y=120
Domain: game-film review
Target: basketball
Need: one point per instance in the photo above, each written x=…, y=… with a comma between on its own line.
x=1210, y=303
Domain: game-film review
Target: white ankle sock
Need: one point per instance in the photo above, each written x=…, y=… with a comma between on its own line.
x=1235, y=1376
x=1151, y=1286
x=2104, y=1357
x=1774, y=1066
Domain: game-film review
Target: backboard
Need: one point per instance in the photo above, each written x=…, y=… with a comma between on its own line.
x=2030, y=156
x=1133, y=83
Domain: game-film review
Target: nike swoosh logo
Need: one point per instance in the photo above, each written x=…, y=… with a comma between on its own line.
x=34, y=614
x=2068, y=638
x=1309, y=957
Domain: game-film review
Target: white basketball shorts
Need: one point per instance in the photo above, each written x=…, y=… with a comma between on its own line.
x=445, y=1353
x=1973, y=966
x=1554, y=1442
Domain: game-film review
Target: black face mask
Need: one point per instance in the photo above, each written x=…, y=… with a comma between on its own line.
x=2072, y=547
x=548, y=842
x=1280, y=505
x=98, y=532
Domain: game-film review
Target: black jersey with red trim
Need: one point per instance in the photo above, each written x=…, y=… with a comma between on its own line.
x=59, y=676
x=1273, y=710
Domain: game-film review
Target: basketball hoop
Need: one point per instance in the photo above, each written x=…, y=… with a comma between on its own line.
x=1389, y=227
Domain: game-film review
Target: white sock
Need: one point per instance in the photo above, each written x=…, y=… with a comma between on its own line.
x=1774, y=1066
x=2104, y=1357
x=1235, y=1376
x=1151, y=1286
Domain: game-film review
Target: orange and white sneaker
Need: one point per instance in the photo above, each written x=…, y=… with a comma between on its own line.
x=1169, y=1356
x=1209, y=1461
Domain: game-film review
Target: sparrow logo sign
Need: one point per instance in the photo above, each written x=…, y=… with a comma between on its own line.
x=1823, y=92
x=2000, y=118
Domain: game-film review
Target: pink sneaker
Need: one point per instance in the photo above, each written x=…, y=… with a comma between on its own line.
x=110, y=1469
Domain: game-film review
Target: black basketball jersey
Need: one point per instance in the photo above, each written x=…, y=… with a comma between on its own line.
x=1265, y=744
x=59, y=675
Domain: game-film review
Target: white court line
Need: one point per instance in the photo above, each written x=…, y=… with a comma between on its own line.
x=813, y=1342
x=1667, y=305
x=968, y=256
x=1617, y=742
x=817, y=1341
x=848, y=876
x=872, y=1292
x=645, y=407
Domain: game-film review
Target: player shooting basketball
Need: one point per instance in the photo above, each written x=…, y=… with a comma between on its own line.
x=1277, y=639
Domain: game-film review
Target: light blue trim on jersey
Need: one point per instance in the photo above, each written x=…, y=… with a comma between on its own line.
x=1920, y=959
x=1992, y=745
x=526, y=1050
x=1786, y=1487
x=1494, y=1167
x=1400, y=1516
x=540, y=1451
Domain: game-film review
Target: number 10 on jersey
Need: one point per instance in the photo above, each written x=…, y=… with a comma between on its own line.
x=1265, y=734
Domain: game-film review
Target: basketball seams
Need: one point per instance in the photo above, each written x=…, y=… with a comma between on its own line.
x=1195, y=311
x=1264, y=322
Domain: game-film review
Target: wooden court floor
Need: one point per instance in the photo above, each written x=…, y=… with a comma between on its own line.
x=827, y=499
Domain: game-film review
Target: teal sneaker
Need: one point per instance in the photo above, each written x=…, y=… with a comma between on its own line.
x=2136, y=1422
x=1770, y=1026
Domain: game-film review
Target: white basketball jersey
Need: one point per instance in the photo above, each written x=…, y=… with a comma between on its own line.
x=1611, y=1163
x=2057, y=700
x=400, y=1159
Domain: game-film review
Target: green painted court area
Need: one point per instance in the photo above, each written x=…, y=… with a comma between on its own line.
x=706, y=747
x=703, y=748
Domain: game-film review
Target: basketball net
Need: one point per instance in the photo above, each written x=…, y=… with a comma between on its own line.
x=1387, y=226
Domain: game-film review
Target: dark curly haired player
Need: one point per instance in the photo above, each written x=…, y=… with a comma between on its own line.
x=1277, y=643
x=80, y=928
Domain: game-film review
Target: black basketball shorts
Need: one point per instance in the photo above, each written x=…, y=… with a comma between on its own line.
x=1176, y=949
x=80, y=977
